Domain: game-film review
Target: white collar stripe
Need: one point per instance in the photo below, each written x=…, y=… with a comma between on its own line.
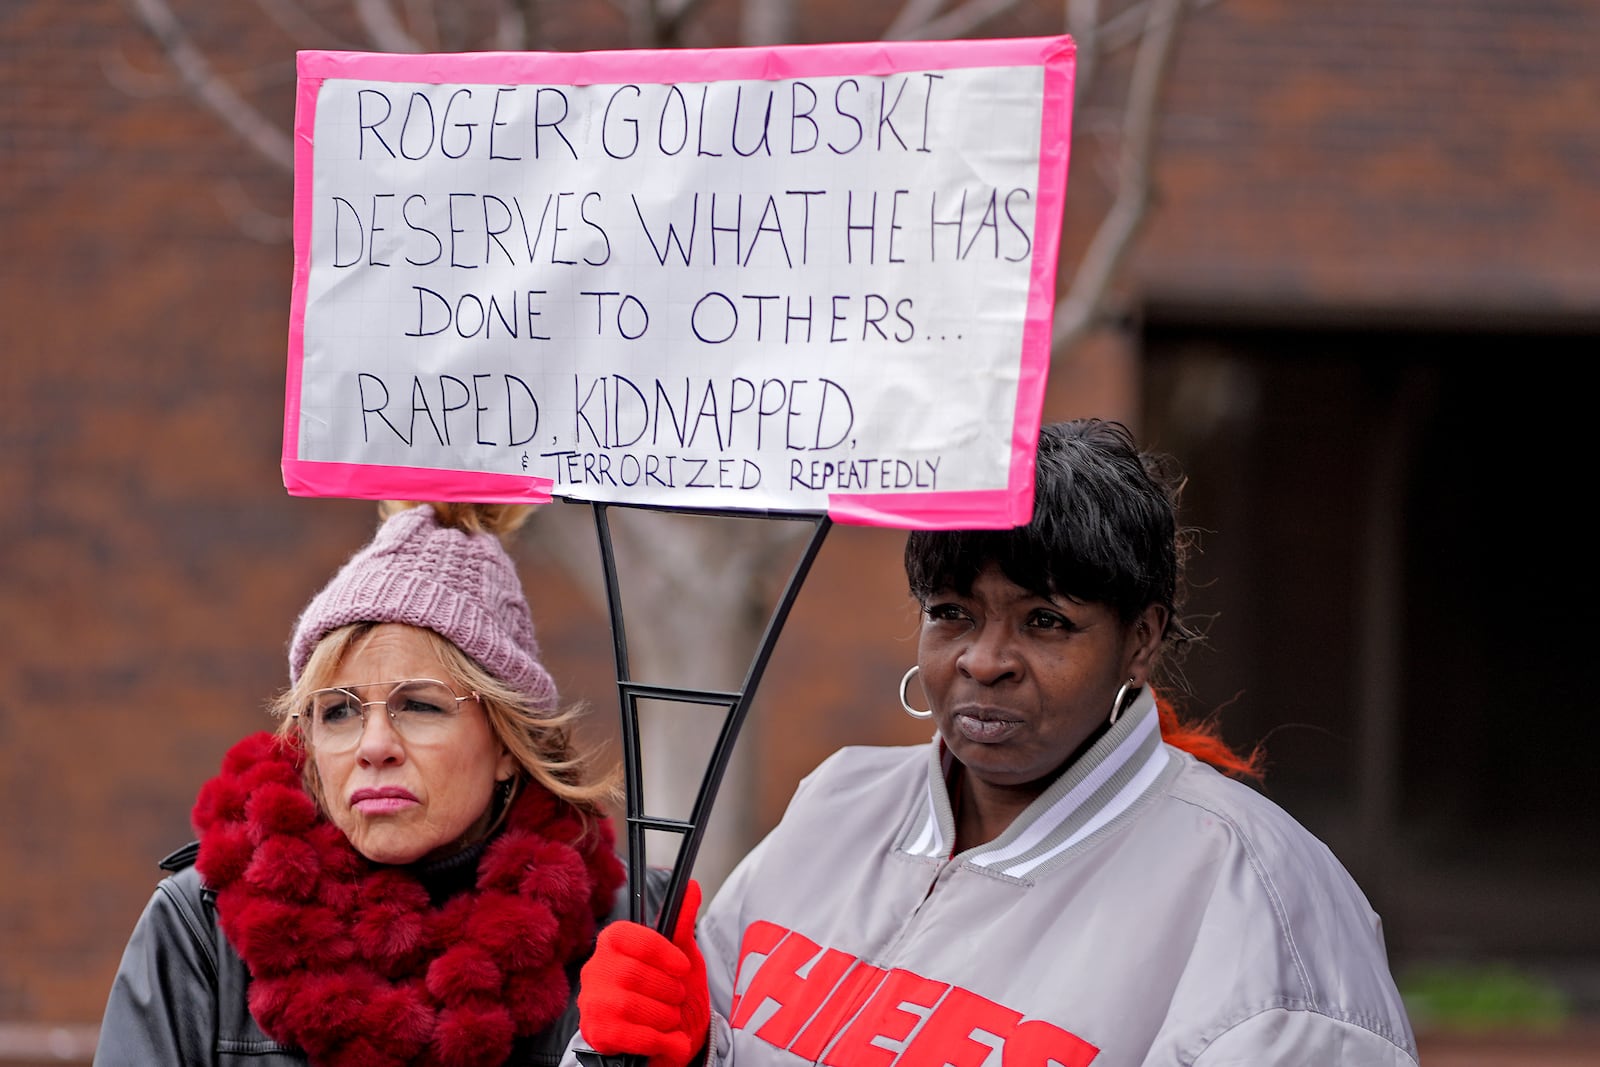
x=1075, y=800
x=1118, y=804
x=927, y=842
x=927, y=837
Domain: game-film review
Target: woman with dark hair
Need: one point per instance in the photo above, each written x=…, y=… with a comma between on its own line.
x=411, y=869
x=1061, y=875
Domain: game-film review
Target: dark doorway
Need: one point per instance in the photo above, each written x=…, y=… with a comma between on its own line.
x=1397, y=564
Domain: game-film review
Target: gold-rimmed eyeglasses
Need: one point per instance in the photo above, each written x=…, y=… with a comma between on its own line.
x=421, y=710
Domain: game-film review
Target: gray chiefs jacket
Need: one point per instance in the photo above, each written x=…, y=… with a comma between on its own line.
x=1146, y=910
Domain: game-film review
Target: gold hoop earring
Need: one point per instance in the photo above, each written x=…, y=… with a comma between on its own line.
x=1116, y=705
x=911, y=711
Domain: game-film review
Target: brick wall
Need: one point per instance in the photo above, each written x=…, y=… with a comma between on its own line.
x=1383, y=155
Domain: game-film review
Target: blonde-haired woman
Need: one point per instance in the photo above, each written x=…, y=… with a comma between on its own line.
x=414, y=865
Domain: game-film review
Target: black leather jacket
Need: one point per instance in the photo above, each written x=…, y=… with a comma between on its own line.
x=180, y=995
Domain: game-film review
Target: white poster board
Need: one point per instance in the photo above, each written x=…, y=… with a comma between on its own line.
x=814, y=278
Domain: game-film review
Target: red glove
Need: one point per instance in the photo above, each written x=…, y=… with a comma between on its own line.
x=641, y=994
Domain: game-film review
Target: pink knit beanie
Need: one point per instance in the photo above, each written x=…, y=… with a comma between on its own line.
x=462, y=586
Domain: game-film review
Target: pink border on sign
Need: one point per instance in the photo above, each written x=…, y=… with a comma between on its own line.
x=973, y=510
x=360, y=481
x=305, y=123
x=989, y=509
x=686, y=64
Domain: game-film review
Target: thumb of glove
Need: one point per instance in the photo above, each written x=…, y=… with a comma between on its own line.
x=697, y=1002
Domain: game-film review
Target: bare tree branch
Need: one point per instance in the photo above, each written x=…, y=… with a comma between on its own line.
x=640, y=16
x=128, y=78
x=424, y=23
x=656, y=23
x=270, y=142
x=678, y=10
x=1083, y=23
x=958, y=22
x=1129, y=25
x=383, y=26
x=1080, y=311
x=671, y=18
x=296, y=24
x=766, y=22
x=915, y=13
x=514, y=27
x=1096, y=39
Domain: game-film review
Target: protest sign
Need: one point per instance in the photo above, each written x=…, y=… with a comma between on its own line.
x=808, y=278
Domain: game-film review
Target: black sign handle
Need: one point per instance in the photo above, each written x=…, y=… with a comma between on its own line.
x=737, y=704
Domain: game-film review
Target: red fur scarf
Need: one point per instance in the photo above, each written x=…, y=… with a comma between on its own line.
x=350, y=960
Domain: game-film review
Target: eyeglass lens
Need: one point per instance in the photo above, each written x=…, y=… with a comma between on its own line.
x=418, y=708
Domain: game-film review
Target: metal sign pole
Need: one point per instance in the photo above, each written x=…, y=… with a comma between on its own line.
x=737, y=704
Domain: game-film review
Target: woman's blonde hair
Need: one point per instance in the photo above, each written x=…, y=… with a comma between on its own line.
x=501, y=520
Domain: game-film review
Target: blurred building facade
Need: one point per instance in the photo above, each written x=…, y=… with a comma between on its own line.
x=1358, y=315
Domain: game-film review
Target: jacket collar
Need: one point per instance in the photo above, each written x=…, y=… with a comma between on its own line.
x=1122, y=766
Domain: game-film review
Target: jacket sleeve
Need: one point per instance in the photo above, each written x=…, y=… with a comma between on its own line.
x=162, y=1005
x=1284, y=1037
